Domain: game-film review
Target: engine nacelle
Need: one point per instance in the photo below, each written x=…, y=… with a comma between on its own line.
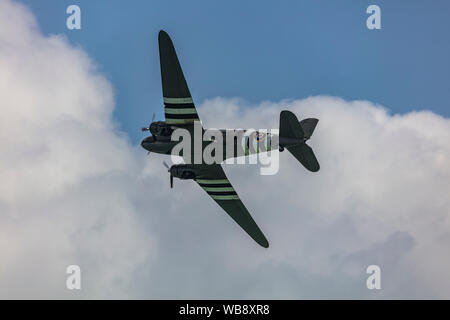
x=182, y=171
x=160, y=128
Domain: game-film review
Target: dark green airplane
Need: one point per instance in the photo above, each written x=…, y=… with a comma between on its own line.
x=180, y=112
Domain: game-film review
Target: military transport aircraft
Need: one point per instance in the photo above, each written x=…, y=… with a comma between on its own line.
x=180, y=112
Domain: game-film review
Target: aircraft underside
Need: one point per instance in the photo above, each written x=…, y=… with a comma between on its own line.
x=180, y=113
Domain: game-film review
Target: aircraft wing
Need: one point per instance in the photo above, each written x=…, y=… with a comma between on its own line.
x=214, y=181
x=179, y=107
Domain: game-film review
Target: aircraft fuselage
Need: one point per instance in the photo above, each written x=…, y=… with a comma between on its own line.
x=271, y=141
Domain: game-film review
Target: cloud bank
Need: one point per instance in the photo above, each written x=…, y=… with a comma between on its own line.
x=74, y=190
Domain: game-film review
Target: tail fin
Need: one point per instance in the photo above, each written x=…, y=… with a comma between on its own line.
x=293, y=135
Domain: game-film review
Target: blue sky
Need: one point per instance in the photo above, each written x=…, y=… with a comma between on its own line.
x=262, y=50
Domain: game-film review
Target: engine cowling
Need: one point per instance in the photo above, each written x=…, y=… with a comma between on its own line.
x=160, y=128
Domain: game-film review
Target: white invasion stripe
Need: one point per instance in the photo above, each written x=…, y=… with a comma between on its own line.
x=225, y=197
x=178, y=100
x=220, y=189
x=215, y=181
x=180, y=121
x=180, y=111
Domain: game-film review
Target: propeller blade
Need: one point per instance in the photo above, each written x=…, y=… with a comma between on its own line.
x=166, y=165
x=145, y=129
x=171, y=181
x=153, y=117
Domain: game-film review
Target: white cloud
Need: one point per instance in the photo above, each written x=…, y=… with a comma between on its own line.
x=62, y=163
x=74, y=191
x=383, y=183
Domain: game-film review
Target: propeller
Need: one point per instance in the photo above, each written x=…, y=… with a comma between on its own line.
x=148, y=128
x=171, y=176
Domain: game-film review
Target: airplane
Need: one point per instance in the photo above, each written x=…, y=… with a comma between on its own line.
x=180, y=112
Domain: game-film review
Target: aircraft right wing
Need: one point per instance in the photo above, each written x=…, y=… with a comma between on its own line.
x=179, y=107
x=215, y=182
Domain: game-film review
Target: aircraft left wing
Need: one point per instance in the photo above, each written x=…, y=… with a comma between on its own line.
x=214, y=181
x=179, y=108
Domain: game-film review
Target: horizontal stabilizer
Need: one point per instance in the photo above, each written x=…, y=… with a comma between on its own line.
x=293, y=135
x=308, y=126
x=304, y=154
x=289, y=126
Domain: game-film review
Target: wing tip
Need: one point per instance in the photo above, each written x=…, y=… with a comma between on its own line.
x=163, y=34
x=262, y=241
